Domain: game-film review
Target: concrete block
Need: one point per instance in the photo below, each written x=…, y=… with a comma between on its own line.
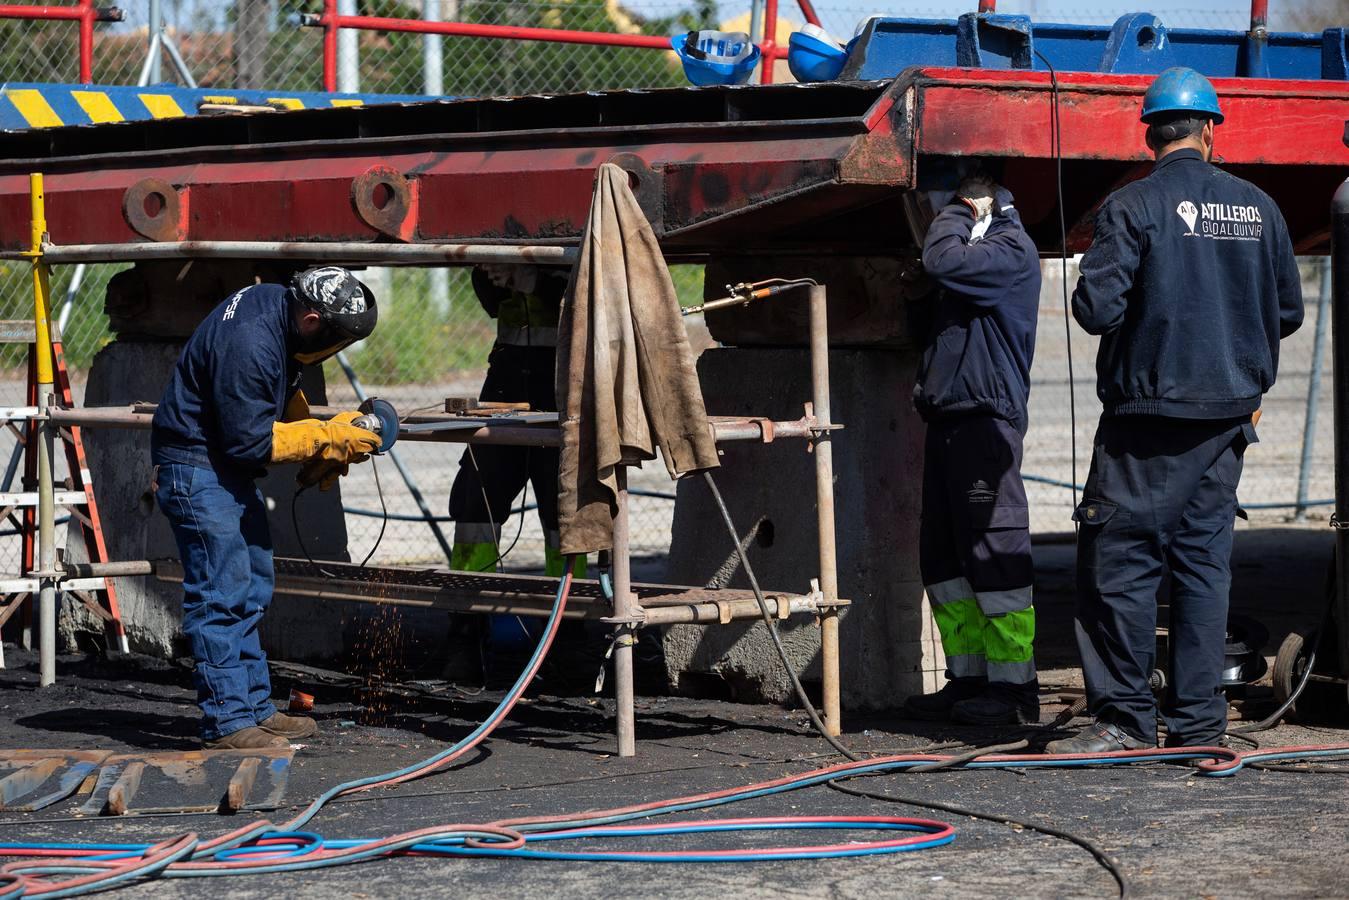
x=878, y=462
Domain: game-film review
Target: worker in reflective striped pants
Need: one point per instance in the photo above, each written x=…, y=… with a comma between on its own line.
x=972, y=391
x=525, y=301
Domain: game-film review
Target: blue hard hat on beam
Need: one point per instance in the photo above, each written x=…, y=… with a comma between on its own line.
x=1182, y=90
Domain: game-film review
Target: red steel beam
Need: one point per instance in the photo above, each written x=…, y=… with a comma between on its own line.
x=512, y=181
x=1007, y=113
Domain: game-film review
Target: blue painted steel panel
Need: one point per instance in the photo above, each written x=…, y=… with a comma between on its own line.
x=1138, y=43
x=36, y=105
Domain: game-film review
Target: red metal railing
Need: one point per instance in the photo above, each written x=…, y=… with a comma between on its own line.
x=332, y=22
x=83, y=12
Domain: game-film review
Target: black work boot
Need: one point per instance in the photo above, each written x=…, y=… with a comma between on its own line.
x=1099, y=737
x=937, y=707
x=996, y=709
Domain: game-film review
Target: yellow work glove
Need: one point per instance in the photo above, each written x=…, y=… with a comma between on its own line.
x=297, y=408
x=310, y=439
x=323, y=472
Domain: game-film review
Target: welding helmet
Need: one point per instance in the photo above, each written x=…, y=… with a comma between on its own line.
x=814, y=55
x=1182, y=90
x=716, y=57
x=344, y=304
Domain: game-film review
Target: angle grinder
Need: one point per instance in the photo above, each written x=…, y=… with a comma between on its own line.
x=380, y=417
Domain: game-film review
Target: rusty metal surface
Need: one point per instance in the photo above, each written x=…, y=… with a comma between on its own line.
x=225, y=781
x=33, y=779
x=505, y=169
x=529, y=595
x=739, y=171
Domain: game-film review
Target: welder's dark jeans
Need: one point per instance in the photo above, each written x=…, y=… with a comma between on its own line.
x=220, y=523
x=1161, y=497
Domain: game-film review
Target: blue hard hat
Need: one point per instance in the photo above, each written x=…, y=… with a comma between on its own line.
x=814, y=55
x=1180, y=89
x=716, y=57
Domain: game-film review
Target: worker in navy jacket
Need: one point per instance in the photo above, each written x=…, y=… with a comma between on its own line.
x=972, y=392
x=232, y=407
x=1191, y=283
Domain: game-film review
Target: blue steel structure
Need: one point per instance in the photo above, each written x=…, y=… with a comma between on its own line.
x=1138, y=43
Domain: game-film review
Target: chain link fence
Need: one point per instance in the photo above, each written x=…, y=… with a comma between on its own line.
x=433, y=337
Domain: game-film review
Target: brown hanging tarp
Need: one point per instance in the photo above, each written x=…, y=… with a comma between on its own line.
x=626, y=382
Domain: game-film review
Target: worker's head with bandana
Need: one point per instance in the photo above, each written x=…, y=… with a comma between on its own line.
x=331, y=310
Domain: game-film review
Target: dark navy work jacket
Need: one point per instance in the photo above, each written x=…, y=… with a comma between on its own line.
x=230, y=385
x=978, y=354
x=1191, y=282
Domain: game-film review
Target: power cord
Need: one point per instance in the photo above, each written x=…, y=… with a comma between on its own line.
x=1096, y=850
x=771, y=624
x=1056, y=146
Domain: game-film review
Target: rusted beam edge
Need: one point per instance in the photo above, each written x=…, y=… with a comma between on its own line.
x=617, y=136
x=338, y=251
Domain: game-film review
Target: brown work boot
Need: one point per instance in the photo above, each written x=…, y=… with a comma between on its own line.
x=250, y=738
x=289, y=727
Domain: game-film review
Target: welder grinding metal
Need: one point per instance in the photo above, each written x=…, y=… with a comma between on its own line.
x=232, y=407
x=1191, y=283
x=972, y=390
x=525, y=301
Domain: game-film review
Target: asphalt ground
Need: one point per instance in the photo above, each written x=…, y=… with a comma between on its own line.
x=1174, y=833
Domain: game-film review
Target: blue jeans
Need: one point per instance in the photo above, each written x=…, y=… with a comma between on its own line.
x=220, y=523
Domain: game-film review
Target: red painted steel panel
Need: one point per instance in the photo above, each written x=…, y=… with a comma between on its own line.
x=1007, y=114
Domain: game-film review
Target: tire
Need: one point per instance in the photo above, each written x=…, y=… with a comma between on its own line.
x=1319, y=702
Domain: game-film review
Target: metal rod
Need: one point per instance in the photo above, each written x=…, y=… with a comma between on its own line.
x=349, y=251
x=330, y=31
x=152, y=51
x=408, y=480
x=433, y=57
x=120, y=569
x=178, y=63
x=86, y=41
x=824, y=507
x=1313, y=395
x=472, y=29
x=625, y=607
x=769, y=47
x=348, y=51
x=139, y=416
x=1339, y=343
x=46, y=511
x=147, y=67
x=808, y=10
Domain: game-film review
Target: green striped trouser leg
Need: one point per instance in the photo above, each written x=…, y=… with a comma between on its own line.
x=475, y=547
x=962, y=625
x=1009, y=634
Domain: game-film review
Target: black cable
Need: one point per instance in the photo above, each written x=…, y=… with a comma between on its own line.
x=772, y=626
x=384, y=508
x=1056, y=145
x=299, y=538
x=1091, y=847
